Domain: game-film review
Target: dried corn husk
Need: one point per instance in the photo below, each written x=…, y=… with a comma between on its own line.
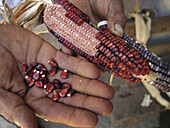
x=27, y=13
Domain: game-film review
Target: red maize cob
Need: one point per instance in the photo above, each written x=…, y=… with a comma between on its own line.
x=123, y=57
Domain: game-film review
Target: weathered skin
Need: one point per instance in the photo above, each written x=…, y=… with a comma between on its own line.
x=19, y=46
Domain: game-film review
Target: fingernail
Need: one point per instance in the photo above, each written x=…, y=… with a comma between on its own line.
x=119, y=29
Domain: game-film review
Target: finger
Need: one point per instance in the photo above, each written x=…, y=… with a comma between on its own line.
x=27, y=47
x=66, y=50
x=87, y=86
x=73, y=64
x=15, y=110
x=97, y=105
x=10, y=76
x=116, y=17
x=58, y=112
x=80, y=57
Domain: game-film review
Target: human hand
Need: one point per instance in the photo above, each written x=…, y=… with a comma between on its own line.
x=110, y=10
x=19, y=105
x=98, y=10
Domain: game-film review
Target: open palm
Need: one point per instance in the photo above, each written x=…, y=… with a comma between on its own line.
x=19, y=105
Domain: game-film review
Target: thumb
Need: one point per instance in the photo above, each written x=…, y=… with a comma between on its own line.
x=116, y=17
x=15, y=110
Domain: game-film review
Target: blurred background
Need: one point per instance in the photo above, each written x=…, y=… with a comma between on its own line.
x=128, y=111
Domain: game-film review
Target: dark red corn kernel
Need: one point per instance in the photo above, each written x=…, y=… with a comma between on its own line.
x=143, y=72
x=107, y=43
x=120, y=73
x=55, y=96
x=36, y=75
x=105, y=60
x=108, y=54
x=137, y=80
x=144, y=63
x=104, y=49
x=120, y=65
x=75, y=19
x=127, y=53
x=27, y=78
x=79, y=22
x=60, y=39
x=140, y=60
x=132, y=79
x=43, y=72
x=136, y=61
x=52, y=71
x=116, y=53
x=97, y=54
x=49, y=87
x=30, y=83
x=127, y=69
x=91, y=58
x=66, y=86
x=104, y=41
x=130, y=72
x=112, y=65
x=120, y=55
x=123, y=67
x=137, y=56
x=126, y=60
x=130, y=55
x=39, y=84
x=117, y=44
x=128, y=63
x=115, y=49
x=56, y=81
x=63, y=93
x=108, y=63
x=100, y=56
x=123, y=57
x=148, y=71
x=40, y=67
x=133, y=66
x=30, y=71
x=33, y=64
x=67, y=6
x=120, y=46
x=57, y=86
x=124, y=74
x=112, y=59
x=103, y=38
x=98, y=34
x=88, y=57
x=111, y=56
x=136, y=71
x=98, y=45
x=64, y=74
x=101, y=47
x=24, y=68
x=72, y=16
x=44, y=79
x=140, y=66
x=69, y=13
x=146, y=67
x=53, y=63
x=80, y=52
x=110, y=45
x=71, y=93
x=102, y=59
